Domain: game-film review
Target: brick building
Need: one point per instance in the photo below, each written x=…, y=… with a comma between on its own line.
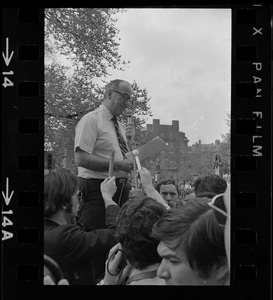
x=173, y=162
x=201, y=157
x=179, y=160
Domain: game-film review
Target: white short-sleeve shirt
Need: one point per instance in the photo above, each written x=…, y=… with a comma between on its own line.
x=95, y=134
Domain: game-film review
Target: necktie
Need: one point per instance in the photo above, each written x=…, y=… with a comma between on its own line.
x=121, y=141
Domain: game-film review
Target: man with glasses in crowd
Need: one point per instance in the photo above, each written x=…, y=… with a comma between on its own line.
x=98, y=134
x=96, y=137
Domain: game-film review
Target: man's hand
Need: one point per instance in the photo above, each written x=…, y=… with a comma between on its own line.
x=146, y=179
x=116, y=276
x=48, y=281
x=108, y=188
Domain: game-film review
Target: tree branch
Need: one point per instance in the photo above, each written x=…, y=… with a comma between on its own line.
x=70, y=116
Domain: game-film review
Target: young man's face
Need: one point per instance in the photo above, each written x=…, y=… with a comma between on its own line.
x=174, y=267
x=75, y=204
x=169, y=194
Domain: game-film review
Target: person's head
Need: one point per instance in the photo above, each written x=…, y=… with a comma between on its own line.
x=211, y=183
x=133, y=228
x=191, y=245
x=188, y=196
x=169, y=192
x=117, y=96
x=61, y=193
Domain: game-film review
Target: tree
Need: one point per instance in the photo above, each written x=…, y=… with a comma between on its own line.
x=87, y=37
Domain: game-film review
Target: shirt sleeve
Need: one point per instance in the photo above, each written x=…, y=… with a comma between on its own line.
x=111, y=216
x=79, y=245
x=86, y=133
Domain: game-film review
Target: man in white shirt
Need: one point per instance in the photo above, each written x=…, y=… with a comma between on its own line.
x=97, y=136
x=95, y=139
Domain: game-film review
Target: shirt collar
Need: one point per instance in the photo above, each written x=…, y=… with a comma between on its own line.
x=106, y=111
x=51, y=221
x=149, y=268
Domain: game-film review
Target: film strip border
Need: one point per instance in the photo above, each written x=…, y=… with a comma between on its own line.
x=250, y=148
x=23, y=156
x=22, y=149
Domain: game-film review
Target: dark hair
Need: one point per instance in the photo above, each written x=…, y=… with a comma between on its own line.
x=212, y=183
x=165, y=182
x=206, y=195
x=133, y=228
x=59, y=186
x=114, y=84
x=195, y=229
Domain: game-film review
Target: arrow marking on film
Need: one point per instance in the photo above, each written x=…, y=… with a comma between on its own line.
x=6, y=196
x=6, y=56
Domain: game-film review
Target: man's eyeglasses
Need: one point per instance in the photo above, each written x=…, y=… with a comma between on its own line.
x=125, y=96
x=218, y=204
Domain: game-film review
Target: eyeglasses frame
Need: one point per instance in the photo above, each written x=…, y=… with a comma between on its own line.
x=211, y=204
x=123, y=95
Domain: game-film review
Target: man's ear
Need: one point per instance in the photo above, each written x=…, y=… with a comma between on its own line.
x=109, y=93
x=222, y=272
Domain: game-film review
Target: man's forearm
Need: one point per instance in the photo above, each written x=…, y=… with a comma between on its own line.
x=98, y=163
x=154, y=194
x=91, y=161
x=94, y=162
x=111, y=216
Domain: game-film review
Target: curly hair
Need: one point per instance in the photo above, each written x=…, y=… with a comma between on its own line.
x=133, y=230
x=59, y=186
x=195, y=230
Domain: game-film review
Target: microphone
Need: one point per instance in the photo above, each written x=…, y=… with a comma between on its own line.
x=129, y=121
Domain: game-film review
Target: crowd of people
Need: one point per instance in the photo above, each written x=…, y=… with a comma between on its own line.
x=95, y=234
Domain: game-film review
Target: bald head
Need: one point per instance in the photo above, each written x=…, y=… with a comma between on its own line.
x=117, y=96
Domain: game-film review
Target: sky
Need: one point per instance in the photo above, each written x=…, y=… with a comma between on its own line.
x=183, y=58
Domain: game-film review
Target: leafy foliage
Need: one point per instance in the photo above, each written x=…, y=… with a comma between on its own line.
x=87, y=35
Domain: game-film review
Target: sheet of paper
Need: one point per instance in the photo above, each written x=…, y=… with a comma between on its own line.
x=150, y=149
